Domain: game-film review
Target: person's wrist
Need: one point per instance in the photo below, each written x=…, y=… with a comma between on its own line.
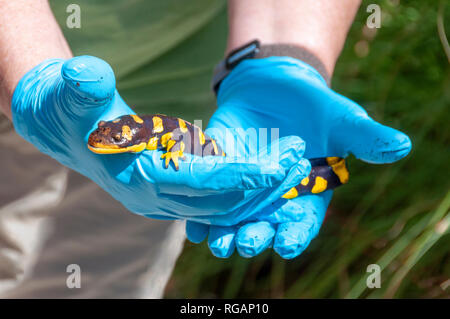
x=254, y=49
x=297, y=52
x=319, y=48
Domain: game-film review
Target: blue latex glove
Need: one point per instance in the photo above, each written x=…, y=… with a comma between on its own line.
x=58, y=103
x=285, y=93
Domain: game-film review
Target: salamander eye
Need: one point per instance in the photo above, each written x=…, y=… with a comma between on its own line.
x=117, y=137
x=101, y=123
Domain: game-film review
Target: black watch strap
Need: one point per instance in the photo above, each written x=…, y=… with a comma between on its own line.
x=247, y=51
x=254, y=50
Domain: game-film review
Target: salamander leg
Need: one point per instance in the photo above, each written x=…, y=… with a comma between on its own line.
x=174, y=152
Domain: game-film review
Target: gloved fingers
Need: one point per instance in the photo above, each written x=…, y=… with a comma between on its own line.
x=221, y=240
x=254, y=237
x=284, y=210
x=288, y=151
x=196, y=232
x=295, y=176
x=367, y=139
x=199, y=176
x=256, y=201
x=293, y=237
x=239, y=142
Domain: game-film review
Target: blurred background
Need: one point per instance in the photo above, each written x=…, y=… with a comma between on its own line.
x=396, y=216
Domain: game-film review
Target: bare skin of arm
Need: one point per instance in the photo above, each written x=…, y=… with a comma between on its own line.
x=321, y=26
x=29, y=34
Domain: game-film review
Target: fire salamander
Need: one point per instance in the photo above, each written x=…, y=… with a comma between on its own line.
x=135, y=134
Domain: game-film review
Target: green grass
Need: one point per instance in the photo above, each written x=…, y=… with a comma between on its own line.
x=396, y=216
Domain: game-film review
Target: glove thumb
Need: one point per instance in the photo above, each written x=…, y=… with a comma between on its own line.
x=89, y=83
x=375, y=143
x=355, y=132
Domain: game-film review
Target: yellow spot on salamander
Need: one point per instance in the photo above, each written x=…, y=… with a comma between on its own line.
x=320, y=185
x=339, y=168
x=126, y=132
x=333, y=160
x=152, y=144
x=305, y=181
x=201, y=137
x=165, y=139
x=117, y=120
x=171, y=144
x=291, y=194
x=137, y=119
x=157, y=124
x=182, y=125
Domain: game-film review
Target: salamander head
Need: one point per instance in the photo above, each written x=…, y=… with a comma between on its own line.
x=122, y=135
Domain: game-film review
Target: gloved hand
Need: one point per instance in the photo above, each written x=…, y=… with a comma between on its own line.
x=58, y=103
x=285, y=93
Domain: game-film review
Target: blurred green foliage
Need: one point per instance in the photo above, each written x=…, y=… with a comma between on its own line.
x=396, y=216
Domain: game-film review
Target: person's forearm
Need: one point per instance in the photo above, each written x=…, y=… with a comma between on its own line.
x=29, y=34
x=320, y=26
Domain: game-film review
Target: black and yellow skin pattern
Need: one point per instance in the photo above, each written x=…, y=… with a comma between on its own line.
x=326, y=173
x=137, y=133
x=133, y=133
